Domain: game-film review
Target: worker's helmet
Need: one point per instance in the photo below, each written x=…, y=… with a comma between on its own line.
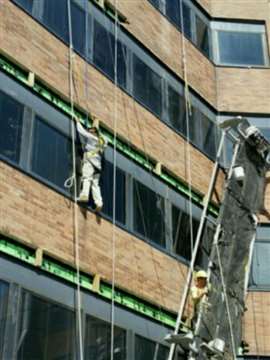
x=201, y=274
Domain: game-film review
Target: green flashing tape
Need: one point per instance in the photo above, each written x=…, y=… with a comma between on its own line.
x=22, y=252
x=39, y=88
x=19, y=252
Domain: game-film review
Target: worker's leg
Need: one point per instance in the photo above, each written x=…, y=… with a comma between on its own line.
x=96, y=192
x=87, y=178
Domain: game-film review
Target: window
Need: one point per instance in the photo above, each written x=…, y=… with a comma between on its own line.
x=202, y=34
x=240, y=48
x=147, y=349
x=3, y=314
x=260, y=267
x=148, y=213
x=181, y=232
x=104, y=48
x=187, y=20
x=98, y=340
x=177, y=115
x=26, y=4
x=78, y=18
x=173, y=11
x=107, y=192
x=52, y=158
x=47, y=330
x=11, y=117
x=147, y=86
x=55, y=16
x=266, y=133
x=194, y=126
x=208, y=132
x=155, y=3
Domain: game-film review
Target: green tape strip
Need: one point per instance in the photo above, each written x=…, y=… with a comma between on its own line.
x=39, y=88
x=14, y=249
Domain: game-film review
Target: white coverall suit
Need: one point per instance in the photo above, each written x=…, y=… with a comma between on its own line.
x=93, y=147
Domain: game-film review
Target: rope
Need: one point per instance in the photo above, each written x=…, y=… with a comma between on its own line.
x=114, y=176
x=188, y=162
x=188, y=113
x=226, y=301
x=73, y=181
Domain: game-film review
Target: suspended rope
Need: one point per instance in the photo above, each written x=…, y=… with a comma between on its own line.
x=189, y=180
x=114, y=175
x=188, y=113
x=69, y=182
x=226, y=301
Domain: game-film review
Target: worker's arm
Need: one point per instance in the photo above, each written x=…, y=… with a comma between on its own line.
x=82, y=131
x=196, y=294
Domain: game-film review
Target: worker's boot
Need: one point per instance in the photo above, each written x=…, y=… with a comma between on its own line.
x=98, y=209
x=82, y=198
x=84, y=195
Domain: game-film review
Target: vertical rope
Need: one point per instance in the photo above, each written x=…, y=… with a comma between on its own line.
x=75, y=212
x=188, y=113
x=226, y=301
x=114, y=176
x=189, y=179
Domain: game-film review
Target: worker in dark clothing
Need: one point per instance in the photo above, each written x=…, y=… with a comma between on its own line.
x=94, y=145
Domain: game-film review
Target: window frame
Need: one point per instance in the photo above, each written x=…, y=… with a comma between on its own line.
x=235, y=27
x=22, y=278
x=262, y=237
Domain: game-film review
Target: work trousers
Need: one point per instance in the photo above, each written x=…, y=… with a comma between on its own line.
x=90, y=182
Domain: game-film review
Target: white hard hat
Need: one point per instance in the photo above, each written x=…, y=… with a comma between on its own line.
x=201, y=274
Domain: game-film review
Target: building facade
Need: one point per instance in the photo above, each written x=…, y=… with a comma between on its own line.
x=132, y=75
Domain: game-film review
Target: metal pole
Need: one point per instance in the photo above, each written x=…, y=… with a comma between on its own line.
x=197, y=243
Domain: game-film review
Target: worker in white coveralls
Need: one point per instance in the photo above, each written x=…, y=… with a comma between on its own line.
x=197, y=292
x=94, y=145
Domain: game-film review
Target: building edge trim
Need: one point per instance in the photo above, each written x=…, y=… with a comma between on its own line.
x=15, y=248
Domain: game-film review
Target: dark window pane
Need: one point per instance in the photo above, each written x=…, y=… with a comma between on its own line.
x=26, y=4
x=107, y=192
x=11, y=114
x=194, y=126
x=148, y=213
x=3, y=314
x=202, y=36
x=98, y=340
x=208, y=136
x=147, y=86
x=181, y=232
x=147, y=349
x=47, y=330
x=177, y=116
x=240, y=48
x=173, y=11
x=104, y=49
x=56, y=17
x=52, y=157
x=187, y=20
x=78, y=28
x=155, y=3
x=205, y=247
